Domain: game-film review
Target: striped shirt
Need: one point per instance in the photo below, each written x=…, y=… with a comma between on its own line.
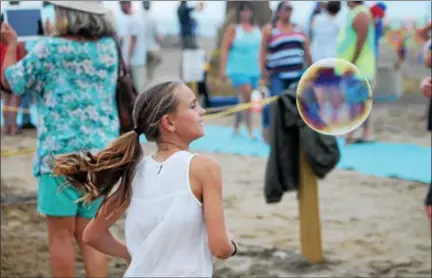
x=286, y=54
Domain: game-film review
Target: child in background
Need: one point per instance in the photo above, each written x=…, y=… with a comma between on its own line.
x=378, y=13
x=48, y=17
x=10, y=101
x=203, y=90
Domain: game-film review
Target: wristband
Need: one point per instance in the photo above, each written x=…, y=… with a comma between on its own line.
x=235, y=248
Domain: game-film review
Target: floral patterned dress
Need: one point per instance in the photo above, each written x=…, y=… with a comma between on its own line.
x=75, y=84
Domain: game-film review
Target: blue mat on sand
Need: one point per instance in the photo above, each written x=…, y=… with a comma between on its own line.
x=380, y=159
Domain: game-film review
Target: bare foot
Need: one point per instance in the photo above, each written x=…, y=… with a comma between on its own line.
x=367, y=136
x=15, y=130
x=236, y=132
x=421, y=118
x=349, y=139
x=5, y=129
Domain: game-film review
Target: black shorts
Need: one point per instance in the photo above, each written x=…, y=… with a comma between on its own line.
x=189, y=42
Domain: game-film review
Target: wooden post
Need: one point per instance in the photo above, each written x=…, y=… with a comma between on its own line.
x=310, y=223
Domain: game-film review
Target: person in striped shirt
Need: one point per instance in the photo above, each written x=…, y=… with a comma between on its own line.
x=284, y=56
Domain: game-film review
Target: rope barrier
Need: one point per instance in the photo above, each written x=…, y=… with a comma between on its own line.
x=228, y=110
x=7, y=153
x=15, y=109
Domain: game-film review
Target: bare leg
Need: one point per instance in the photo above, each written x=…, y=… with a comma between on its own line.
x=61, y=234
x=15, y=101
x=238, y=118
x=265, y=134
x=366, y=130
x=95, y=262
x=6, y=106
x=349, y=138
x=246, y=92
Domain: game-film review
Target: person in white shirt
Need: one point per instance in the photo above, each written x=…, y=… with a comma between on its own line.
x=122, y=26
x=154, y=56
x=324, y=31
x=172, y=198
x=137, y=52
x=133, y=36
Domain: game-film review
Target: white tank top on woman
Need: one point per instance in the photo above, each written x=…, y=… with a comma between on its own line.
x=325, y=29
x=165, y=229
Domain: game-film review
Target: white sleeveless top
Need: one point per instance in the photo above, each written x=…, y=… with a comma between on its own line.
x=165, y=229
x=325, y=29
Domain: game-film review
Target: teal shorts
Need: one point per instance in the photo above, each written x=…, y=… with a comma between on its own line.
x=57, y=199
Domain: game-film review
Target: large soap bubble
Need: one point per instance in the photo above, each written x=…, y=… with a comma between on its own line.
x=333, y=97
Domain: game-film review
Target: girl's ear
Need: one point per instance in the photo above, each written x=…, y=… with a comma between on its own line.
x=168, y=123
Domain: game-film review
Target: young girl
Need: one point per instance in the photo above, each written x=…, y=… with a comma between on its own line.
x=173, y=198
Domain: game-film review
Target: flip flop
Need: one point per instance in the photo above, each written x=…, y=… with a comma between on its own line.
x=19, y=131
x=364, y=140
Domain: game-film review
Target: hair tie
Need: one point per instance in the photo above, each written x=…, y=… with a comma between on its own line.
x=136, y=130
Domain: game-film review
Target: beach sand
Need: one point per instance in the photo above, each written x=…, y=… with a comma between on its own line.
x=370, y=226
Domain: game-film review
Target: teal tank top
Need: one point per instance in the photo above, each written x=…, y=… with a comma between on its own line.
x=243, y=57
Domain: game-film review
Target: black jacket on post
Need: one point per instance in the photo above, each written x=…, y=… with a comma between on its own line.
x=287, y=130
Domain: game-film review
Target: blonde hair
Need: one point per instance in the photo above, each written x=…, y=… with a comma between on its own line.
x=97, y=174
x=69, y=22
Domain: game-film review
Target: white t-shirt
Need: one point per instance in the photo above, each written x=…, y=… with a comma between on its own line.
x=151, y=26
x=122, y=26
x=137, y=28
x=325, y=29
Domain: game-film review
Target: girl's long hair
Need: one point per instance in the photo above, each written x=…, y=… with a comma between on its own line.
x=113, y=168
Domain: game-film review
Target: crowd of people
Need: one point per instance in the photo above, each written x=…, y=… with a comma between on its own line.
x=278, y=54
x=175, y=220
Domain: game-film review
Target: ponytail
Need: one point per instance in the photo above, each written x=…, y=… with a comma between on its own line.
x=96, y=175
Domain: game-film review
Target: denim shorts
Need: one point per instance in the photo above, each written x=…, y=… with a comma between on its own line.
x=277, y=87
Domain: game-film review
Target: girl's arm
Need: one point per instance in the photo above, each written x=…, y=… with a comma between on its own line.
x=307, y=53
x=98, y=235
x=263, y=48
x=227, y=41
x=206, y=177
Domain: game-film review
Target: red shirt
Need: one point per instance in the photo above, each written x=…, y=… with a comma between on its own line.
x=20, y=53
x=3, y=49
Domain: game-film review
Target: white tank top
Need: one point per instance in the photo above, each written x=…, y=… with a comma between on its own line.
x=165, y=229
x=325, y=29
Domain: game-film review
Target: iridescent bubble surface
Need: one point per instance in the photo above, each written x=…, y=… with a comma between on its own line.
x=333, y=97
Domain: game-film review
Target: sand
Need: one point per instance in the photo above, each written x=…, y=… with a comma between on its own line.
x=370, y=226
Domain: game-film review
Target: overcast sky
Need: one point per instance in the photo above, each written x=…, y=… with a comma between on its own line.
x=215, y=9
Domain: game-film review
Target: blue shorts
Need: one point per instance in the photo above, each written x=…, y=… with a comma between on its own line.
x=238, y=80
x=57, y=199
